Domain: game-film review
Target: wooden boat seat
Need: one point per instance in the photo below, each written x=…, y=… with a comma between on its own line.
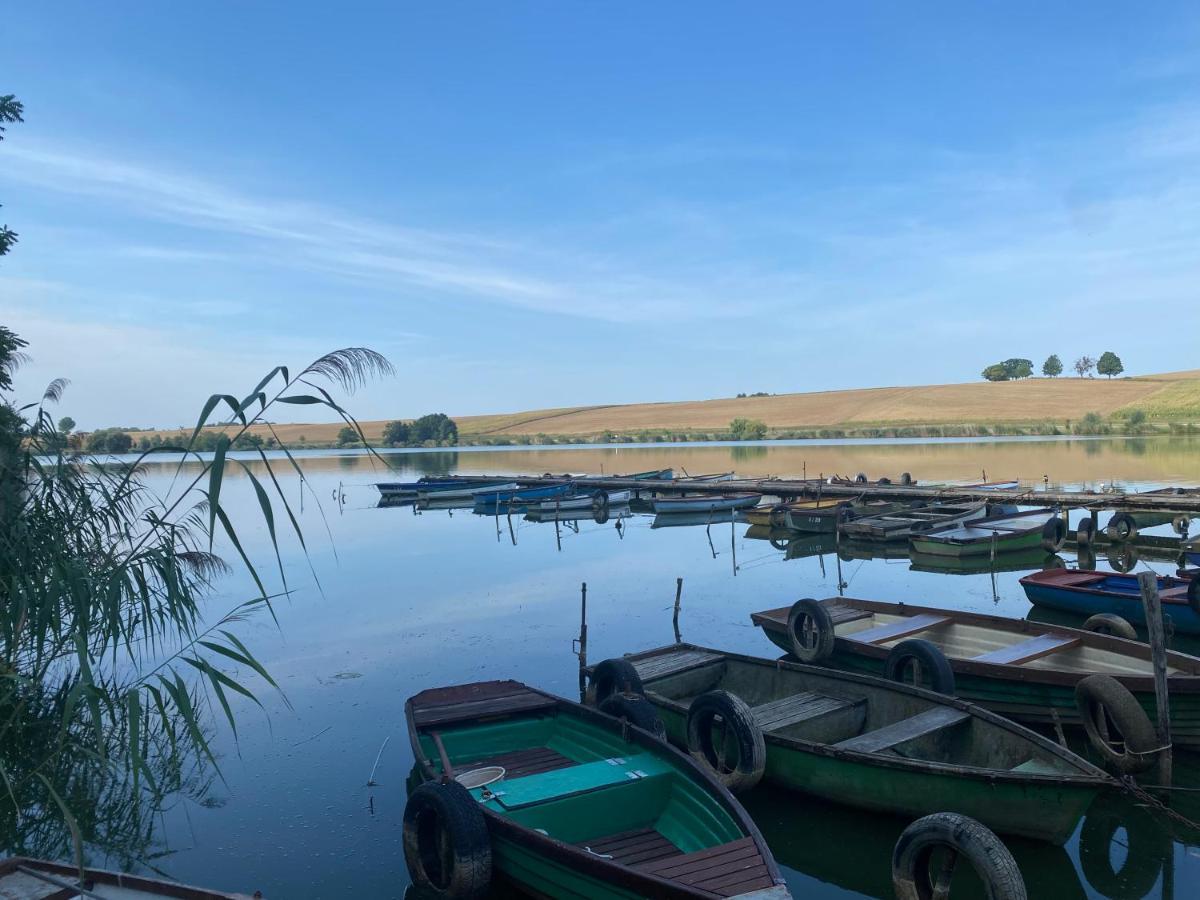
x=787, y=711
x=662, y=664
x=932, y=720
x=582, y=778
x=894, y=630
x=630, y=848
x=1026, y=651
x=840, y=613
x=460, y=703
x=726, y=870
x=519, y=763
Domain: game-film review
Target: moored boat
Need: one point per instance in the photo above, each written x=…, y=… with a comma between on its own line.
x=823, y=516
x=35, y=879
x=1092, y=592
x=559, y=800
x=705, y=503
x=1024, y=670
x=589, y=498
x=865, y=741
x=493, y=501
x=900, y=526
x=994, y=534
x=441, y=487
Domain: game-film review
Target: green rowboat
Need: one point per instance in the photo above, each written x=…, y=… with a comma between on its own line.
x=866, y=742
x=1015, y=667
x=569, y=802
x=994, y=534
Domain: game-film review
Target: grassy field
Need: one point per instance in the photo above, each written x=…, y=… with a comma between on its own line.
x=1173, y=397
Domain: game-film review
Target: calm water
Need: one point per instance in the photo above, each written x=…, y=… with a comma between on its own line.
x=411, y=601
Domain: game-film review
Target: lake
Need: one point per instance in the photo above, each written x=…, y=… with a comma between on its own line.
x=409, y=601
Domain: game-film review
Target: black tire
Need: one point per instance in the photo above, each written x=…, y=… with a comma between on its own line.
x=810, y=631
x=738, y=722
x=1054, y=535
x=779, y=544
x=1106, y=705
x=1085, y=536
x=613, y=676
x=446, y=842
x=860, y=478
x=906, y=479
x=778, y=517
x=1122, y=527
x=931, y=660
x=637, y=710
x=600, y=504
x=1112, y=625
x=1181, y=524
x=884, y=481
x=1122, y=558
x=1085, y=559
x=987, y=855
x=1145, y=848
x=1193, y=593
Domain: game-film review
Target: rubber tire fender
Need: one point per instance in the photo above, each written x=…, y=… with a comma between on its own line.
x=822, y=630
x=906, y=478
x=884, y=481
x=860, y=478
x=1122, y=557
x=600, y=504
x=1147, y=848
x=637, y=710
x=988, y=856
x=737, y=716
x=1181, y=524
x=1054, y=535
x=779, y=517
x=1085, y=535
x=1112, y=625
x=932, y=660
x=1122, y=527
x=1103, y=694
x=1193, y=593
x=613, y=676
x=779, y=544
x=439, y=811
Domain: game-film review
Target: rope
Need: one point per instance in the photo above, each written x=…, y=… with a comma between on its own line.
x=1149, y=799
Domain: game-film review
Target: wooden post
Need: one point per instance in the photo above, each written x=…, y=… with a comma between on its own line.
x=675, y=617
x=508, y=514
x=733, y=539
x=1148, y=582
x=582, y=652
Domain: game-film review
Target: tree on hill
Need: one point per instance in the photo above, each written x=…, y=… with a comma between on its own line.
x=996, y=372
x=1052, y=367
x=1084, y=365
x=109, y=440
x=346, y=436
x=1018, y=368
x=395, y=434
x=436, y=427
x=1109, y=364
x=66, y=424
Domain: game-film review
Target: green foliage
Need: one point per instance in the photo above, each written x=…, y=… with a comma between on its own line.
x=1018, y=368
x=10, y=111
x=1053, y=366
x=996, y=372
x=1135, y=420
x=1109, y=364
x=346, y=435
x=1084, y=365
x=435, y=429
x=109, y=440
x=747, y=429
x=395, y=434
x=1092, y=423
x=66, y=424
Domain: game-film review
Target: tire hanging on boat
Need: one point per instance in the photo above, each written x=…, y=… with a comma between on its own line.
x=1122, y=557
x=928, y=657
x=637, y=710
x=736, y=723
x=1086, y=534
x=446, y=842
x=779, y=516
x=1054, y=535
x=810, y=631
x=1144, y=842
x=613, y=676
x=1181, y=524
x=860, y=478
x=906, y=479
x=1111, y=624
x=600, y=504
x=1105, y=704
x=1122, y=527
x=961, y=836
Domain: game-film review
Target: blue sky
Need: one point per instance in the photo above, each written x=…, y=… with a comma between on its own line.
x=542, y=204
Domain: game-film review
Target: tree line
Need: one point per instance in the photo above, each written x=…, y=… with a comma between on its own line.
x=435, y=429
x=1108, y=364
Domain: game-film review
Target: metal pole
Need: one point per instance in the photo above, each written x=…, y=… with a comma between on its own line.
x=582, y=653
x=1148, y=582
x=733, y=539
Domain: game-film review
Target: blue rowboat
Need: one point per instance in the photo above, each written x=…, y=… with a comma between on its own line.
x=490, y=500
x=1088, y=593
x=704, y=504
x=462, y=487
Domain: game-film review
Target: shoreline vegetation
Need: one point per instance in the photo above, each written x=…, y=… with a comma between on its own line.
x=1167, y=404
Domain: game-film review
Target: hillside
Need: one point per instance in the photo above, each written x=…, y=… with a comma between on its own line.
x=1165, y=398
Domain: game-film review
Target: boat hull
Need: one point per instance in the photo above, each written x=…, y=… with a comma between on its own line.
x=1183, y=619
x=1005, y=543
x=704, y=504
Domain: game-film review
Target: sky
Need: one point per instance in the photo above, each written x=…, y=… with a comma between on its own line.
x=528, y=205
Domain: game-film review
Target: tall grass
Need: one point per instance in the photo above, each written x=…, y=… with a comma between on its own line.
x=112, y=678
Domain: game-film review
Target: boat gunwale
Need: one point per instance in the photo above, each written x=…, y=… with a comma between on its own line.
x=1054, y=578
x=1185, y=681
x=152, y=886
x=576, y=857
x=1088, y=774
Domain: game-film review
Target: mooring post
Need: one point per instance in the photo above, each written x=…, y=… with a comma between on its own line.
x=1148, y=582
x=675, y=617
x=512, y=534
x=557, y=533
x=582, y=652
x=733, y=539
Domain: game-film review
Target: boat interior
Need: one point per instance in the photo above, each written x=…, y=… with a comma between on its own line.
x=826, y=707
x=584, y=785
x=907, y=519
x=982, y=529
x=1113, y=583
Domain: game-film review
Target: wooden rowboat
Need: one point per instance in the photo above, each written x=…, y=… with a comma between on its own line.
x=993, y=534
x=705, y=503
x=35, y=879
x=587, y=806
x=1111, y=592
x=871, y=743
x=900, y=526
x=448, y=487
x=492, y=500
x=1020, y=669
x=824, y=515
x=584, y=499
